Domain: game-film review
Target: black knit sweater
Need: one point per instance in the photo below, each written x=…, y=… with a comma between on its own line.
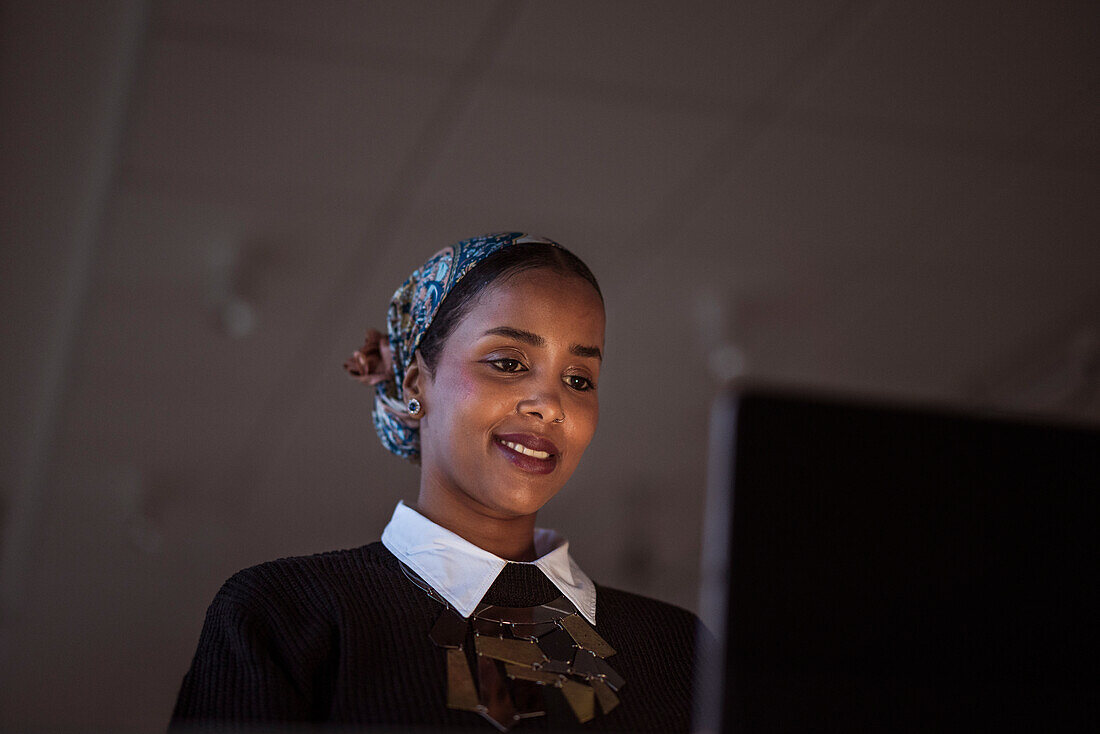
x=342, y=637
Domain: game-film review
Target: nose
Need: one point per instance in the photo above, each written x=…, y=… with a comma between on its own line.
x=544, y=403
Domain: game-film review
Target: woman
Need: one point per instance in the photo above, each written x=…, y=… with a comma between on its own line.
x=465, y=612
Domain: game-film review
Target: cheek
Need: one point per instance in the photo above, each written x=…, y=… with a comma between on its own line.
x=584, y=427
x=473, y=404
x=465, y=390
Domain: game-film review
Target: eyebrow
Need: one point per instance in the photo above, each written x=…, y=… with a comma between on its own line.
x=535, y=340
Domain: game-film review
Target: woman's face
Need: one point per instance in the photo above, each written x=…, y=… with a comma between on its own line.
x=512, y=403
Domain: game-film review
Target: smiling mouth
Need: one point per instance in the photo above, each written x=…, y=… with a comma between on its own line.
x=520, y=448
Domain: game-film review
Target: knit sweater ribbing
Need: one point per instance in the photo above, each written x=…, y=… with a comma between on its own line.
x=342, y=637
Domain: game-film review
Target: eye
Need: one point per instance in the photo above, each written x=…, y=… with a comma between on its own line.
x=507, y=364
x=581, y=384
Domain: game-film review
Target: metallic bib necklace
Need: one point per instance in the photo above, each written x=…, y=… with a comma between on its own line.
x=521, y=650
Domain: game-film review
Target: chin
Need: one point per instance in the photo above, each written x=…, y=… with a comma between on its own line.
x=518, y=503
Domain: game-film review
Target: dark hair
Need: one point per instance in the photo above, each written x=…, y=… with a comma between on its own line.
x=500, y=265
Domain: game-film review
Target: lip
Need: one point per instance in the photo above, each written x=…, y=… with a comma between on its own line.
x=531, y=441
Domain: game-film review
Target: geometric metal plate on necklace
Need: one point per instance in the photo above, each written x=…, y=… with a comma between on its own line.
x=581, y=698
x=584, y=663
x=521, y=615
x=607, y=698
x=556, y=666
x=461, y=693
x=586, y=637
x=558, y=645
x=533, y=631
x=488, y=627
x=609, y=674
x=496, y=704
x=524, y=673
x=528, y=699
x=449, y=629
x=521, y=652
x=562, y=604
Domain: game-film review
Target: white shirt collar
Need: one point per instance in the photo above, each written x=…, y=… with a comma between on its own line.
x=462, y=573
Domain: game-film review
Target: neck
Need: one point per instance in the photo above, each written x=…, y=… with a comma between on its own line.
x=510, y=538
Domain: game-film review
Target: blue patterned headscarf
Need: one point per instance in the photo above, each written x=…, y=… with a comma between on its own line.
x=411, y=312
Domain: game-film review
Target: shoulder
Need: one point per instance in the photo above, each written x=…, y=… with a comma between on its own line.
x=266, y=649
x=655, y=654
x=644, y=621
x=308, y=582
x=616, y=603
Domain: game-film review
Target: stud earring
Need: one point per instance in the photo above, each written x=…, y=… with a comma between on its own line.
x=415, y=408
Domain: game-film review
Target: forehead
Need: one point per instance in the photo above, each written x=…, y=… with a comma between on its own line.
x=543, y=301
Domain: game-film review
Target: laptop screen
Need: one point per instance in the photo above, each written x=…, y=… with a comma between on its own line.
x=878, y=567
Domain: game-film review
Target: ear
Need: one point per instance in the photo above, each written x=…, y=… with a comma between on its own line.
x=416, y=377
